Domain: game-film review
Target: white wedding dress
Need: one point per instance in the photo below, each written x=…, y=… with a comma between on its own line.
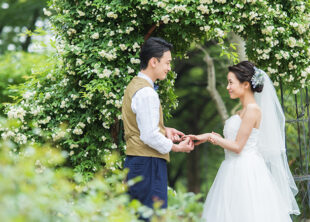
x=244, y=189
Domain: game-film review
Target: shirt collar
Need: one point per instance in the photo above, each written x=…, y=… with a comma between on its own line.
x=140, y=74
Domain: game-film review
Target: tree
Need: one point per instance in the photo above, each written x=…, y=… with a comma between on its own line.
x=17, y=17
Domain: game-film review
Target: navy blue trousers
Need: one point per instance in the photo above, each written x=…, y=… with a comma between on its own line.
x=153, y=186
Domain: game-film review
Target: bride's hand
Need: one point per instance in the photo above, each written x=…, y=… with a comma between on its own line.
x=214, y=138
x=202, y=138
x=219, y=135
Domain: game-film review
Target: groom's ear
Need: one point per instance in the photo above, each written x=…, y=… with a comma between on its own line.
x=152, y=62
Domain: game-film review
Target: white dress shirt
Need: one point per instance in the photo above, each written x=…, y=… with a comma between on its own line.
x=145, y=104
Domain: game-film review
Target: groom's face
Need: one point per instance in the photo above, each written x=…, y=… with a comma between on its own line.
x=163, y=66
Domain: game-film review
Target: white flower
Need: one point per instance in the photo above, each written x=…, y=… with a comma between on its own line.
x=295, y=91
x=74, y=97
x=130, y=70
x=206, y=1
x=253, y=15
x=47, y=96
x=129, y=29
x=268, y=30
x=134, y=61
x=275, y=83
x=46, y=12
x=20, y=138
x=17, y=113
x=165, y=19
x=80, y=124
x=114, y=146
x=221, y=1
x=219, y=32
x=105, y=125
x=72, y=146
x=204, y=9
x=45, y=121
x=79, y=62
x=240, y=28
x=265, y=56
x=59, y=135
x=107, y=73
x=271, y=70
x=103, y=138
x=161, y=4
x=118, y=103
x=71, y=31
x=51, y=77
x=117, y=71
x=136, y=46
x=123, y=47
x=78, y=131
x=281, y=29
x=112, y=15
x=80, y=13
x=291, y=42
x=88, y=119
x=36, y=110
x=95, y=35
x=294, y=24
x=63, y=104
x=109, y=55
x=278, y=56
x=291, y=78
x=27, y=95
x=7, y=135
x=110, y=43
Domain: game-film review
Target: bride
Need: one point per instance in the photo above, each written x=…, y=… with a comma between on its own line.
x=254, y=183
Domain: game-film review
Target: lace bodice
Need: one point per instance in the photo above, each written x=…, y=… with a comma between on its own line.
x=230, y=131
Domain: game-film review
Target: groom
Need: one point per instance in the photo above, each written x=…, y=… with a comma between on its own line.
x=148, y=141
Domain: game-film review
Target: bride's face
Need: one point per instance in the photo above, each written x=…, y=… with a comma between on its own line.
x=235, y=88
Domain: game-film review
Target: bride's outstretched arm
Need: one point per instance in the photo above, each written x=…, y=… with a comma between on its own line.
x=202, y=138
x=251, y=116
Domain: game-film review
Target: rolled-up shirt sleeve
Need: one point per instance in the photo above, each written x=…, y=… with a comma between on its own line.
x=145, y=104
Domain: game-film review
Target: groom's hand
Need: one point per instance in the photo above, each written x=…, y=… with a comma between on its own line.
x=174, y=134
x=186, y=145
x=202, y=138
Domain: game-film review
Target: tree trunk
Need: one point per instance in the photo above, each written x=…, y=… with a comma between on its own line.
x=212, y=85
x=31, y=27
x=193, y=172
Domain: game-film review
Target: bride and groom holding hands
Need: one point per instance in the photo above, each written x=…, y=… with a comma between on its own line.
x=253, y=184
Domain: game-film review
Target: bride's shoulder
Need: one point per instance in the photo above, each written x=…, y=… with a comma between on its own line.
x=253, y=108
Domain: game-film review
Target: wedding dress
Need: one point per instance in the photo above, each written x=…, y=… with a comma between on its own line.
x=244, y=190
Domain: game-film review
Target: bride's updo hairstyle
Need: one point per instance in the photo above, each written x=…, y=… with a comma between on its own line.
x=245, y=71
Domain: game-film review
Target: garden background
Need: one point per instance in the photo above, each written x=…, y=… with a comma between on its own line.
x=63, y=69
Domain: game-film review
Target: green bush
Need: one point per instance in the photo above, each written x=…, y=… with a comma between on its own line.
x=34, y=187
x=15, y=69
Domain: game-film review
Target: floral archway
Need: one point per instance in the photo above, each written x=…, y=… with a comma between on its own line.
x=77, y=101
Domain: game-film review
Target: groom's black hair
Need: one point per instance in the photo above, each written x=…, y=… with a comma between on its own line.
x=153, y=47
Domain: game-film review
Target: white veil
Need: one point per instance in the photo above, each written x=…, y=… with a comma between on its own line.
x=272, y=143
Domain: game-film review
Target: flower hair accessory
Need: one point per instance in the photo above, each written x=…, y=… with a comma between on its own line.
x=258, y=77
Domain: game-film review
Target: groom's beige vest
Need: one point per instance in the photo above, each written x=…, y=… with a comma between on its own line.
x=135, y=147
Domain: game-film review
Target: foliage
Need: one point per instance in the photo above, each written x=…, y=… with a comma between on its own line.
x=97, y=55
x=35, y=188
x=15, y=69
